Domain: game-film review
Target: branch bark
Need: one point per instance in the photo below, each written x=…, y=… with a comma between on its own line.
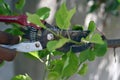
x=113, y=43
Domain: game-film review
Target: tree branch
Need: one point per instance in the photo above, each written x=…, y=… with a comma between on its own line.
x=113, y=43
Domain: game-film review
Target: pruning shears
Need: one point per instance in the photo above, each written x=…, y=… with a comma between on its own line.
x=38, y=37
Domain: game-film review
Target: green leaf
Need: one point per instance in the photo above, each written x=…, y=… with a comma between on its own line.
x=77, y=27
x=88, y=54
x=100, y=49
x=1, y=1
x=2, y=63
x=70, y=65
x=5, y=8
x=91, y=26
x=53, y=45
x=83, y=69
x=22, y=77
x=53, y=76
x=118, y=1
x=20, y=4
x=63, y=17
x=43, y=13
x=91, y=55
x=14, y=31
x=35, y=19
x=96, y=50
x=66, y=63
x=34, y=55
x=96, y=38
x=43, y=53
x=113, y=5
x=83, y=56
x=56, y=65
x=56, y=53
x=9, y=30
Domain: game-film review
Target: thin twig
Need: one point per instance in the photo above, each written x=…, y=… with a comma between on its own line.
x=114, y=50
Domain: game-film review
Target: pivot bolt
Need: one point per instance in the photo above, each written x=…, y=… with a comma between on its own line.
x=50, y=36
x=37, y=45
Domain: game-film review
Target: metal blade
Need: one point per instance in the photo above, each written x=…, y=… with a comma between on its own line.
x=25, y=46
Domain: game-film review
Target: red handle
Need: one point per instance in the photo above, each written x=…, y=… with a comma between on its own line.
x=21, y=19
